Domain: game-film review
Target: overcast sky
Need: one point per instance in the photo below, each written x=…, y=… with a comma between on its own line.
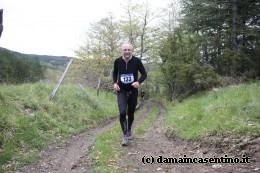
x=53, y=27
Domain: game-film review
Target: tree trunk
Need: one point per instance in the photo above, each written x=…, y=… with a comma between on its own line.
x=234, y=24
x=234, y=33
x=142, y=36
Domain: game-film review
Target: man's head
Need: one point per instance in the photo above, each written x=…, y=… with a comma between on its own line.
x=127, y=50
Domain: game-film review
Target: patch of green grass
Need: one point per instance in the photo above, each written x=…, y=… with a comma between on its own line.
x=234, y=110
x=147, y=123
x=30, y=121
x=107, y=153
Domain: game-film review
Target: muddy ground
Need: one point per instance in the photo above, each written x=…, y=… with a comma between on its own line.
x=146, y=152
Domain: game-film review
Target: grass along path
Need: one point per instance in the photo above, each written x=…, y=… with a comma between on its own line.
x=30, y=122
x=107, y=151
x=234, y=110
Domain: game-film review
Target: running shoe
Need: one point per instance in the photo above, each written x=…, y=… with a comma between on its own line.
x=125, y=141
x=130, y=135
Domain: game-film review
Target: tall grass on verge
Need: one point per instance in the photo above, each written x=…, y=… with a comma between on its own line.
x=234, y=110
x=107, y=153
x=29, y=121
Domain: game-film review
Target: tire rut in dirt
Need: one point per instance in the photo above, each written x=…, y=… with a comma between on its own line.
x=69, y=156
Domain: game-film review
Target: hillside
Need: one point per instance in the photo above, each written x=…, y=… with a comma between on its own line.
x=49, y=61
x=38, y=134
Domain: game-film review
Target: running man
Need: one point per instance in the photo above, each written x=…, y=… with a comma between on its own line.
x=142, y=95
x=126, y=84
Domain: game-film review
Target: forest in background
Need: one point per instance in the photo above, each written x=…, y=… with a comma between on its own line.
x=16, y=67
x=15, y=70
x=187, y=47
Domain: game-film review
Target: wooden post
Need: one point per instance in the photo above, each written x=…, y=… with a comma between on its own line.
x=61, y=79
x=99, y=82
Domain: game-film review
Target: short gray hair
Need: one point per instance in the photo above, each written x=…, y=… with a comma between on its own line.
x=127, y=43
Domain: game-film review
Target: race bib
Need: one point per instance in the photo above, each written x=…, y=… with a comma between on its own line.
x=127, y=78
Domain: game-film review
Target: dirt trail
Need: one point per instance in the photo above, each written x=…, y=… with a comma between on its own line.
x=71, y=156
